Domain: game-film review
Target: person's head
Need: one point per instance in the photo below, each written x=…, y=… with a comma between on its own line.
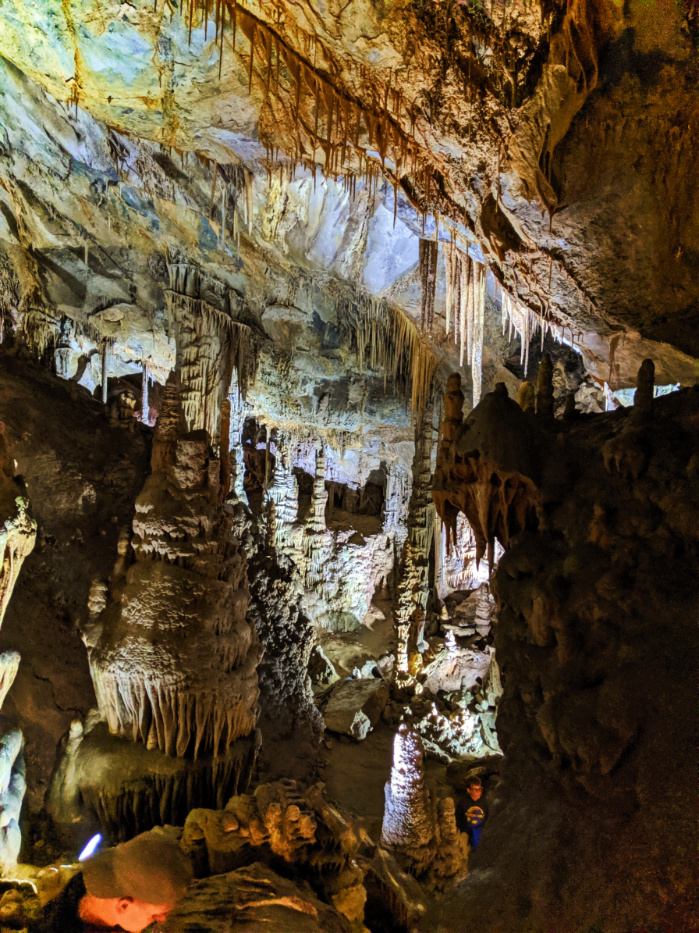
x=474, y=788
x=136, y=883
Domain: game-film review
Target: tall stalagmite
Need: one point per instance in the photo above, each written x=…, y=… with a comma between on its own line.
x=172, y=656
x=413, y=576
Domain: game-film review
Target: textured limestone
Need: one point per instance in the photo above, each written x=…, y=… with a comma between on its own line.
x=154, y=681
x=293, y=824
x=286, y=635
x=594, y=606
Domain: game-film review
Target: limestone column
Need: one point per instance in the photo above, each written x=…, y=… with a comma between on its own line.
x=413, y=577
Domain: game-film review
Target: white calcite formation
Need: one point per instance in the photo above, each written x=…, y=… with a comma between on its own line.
x=422, y=834
x=408, y=820
x=172, y=656
x=340, y=567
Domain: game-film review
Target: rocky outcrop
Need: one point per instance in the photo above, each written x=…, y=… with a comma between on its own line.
x=259, y=898
x=595, y=595
x=355, y=707
x=292, y=824
x=17, y=537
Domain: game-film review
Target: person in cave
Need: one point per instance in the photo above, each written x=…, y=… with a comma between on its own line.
x=126, y=888
x=474, y=810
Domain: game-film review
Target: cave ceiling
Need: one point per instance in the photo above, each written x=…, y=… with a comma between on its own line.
x=555, y=141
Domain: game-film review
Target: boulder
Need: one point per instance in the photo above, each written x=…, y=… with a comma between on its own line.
x=255, y=899
x=355, y=706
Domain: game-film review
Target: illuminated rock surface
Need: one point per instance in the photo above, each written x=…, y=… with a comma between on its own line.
x=242, y=249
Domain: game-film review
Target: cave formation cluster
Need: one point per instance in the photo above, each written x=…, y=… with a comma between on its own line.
x=349, y=453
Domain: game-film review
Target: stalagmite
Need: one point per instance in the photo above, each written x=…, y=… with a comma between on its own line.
x=527, y=397
x=146, y=651
x=408, y=821
x=18, y=530
x=413, y=574
x=644, y=391
x=17, y=537
x=9, y=665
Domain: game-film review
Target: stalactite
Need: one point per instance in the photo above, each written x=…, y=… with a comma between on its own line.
x=387, y=339
x=107, y=344
x=210, y=347
x=145, y=411
x=428, y=279
x=480, y=280
x=449, y=262
x=385, y=131
x=524, y=322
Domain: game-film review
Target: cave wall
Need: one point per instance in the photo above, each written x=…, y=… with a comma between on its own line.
x=597, y=600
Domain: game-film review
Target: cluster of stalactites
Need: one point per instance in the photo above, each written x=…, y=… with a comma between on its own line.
x=385, y=338
x=465, y=310
x=524, y=322
x=328, y=126
x=210, y=347
x=179, y=718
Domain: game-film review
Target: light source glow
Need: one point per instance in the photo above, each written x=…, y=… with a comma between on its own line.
x=90, y=848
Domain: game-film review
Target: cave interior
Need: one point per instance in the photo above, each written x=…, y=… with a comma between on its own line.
x=349, y=452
